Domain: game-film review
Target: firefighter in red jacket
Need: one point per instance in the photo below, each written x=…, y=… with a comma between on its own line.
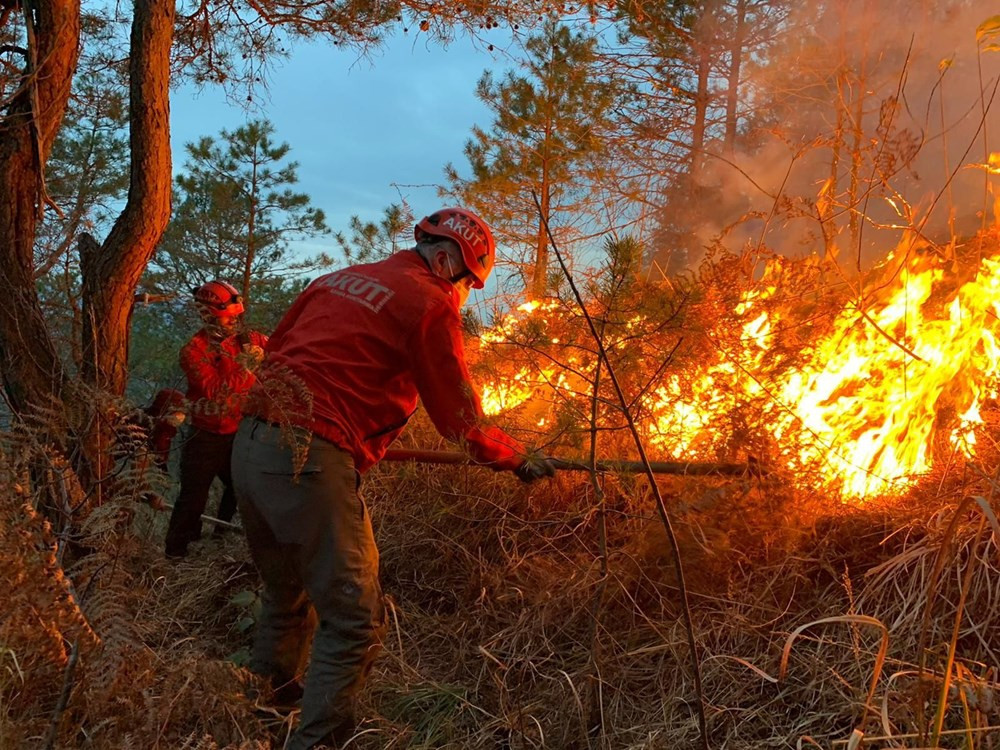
x=360, y=346
x=218, y=361
x=164, y=416
x=161, y=419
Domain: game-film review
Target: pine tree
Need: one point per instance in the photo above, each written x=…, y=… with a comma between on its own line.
x=546, y=129
x=371, y=241
x=236, y=218
x=688, y=62
x=237, y=212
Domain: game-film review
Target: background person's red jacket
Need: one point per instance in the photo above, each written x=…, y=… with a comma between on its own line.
x=162, y=430
x=217, y=380
x=365, y=342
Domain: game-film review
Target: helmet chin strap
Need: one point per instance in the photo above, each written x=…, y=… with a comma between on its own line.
x=456, y=277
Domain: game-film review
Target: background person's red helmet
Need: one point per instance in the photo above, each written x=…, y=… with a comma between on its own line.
x=219, y=298
x=469, y=231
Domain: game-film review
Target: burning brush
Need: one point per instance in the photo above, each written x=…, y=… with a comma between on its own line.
x=891, y=381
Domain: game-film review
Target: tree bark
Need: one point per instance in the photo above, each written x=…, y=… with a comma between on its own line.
x=735, y=66
x=110, y=276
x=111, y=272
x=30, y=366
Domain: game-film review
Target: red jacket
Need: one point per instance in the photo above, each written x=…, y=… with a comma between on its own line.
x=217, y=380
x=161, y=432
x=365, y=342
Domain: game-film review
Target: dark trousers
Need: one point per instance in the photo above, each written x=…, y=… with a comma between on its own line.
x=204, y=456
x=311, y=538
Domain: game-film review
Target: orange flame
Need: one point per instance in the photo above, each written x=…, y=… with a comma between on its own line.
x=870, y=403
x=900, y=377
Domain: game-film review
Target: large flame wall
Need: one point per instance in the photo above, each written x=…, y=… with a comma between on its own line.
x=895, y=380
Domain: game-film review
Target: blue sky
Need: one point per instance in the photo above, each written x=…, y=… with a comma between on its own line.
x=365, y=132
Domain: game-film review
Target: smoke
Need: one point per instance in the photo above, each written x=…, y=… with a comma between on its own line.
x=852, y=57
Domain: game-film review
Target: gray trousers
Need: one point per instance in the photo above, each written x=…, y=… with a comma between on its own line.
x=311, y=538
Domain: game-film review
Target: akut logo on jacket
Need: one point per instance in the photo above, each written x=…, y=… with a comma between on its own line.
x=358, y=288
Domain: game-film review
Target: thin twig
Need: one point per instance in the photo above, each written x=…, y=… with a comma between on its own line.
x=67, y=688
x=654, y=489
x=885, y=333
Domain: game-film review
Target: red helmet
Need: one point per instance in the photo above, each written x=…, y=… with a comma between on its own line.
x=219, y=298
x=469, y=231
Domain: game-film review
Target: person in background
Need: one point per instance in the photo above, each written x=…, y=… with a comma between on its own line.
x=219, y=362
x=358, y=347
x=160, y=420
x=143, y=438
x=165, y=415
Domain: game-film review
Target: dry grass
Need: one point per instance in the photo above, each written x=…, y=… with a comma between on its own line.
x=503, y=604
x=505, y=633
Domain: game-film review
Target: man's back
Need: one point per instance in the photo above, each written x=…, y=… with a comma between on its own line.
x=349, y=338
x=365, y=342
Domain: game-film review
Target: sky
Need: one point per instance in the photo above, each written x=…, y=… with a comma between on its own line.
x=373, y=131
x=366, y=132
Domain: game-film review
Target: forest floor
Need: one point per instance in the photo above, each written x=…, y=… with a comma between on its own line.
x=536, y=617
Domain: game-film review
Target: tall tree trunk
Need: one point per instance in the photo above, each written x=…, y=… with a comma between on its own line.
x=703, y=49
x=251, y=228
x=858, y=132
x=111, y=275
x=735, y=66
x=827, y=220
x=540, y=273
x=111, y=272
x=31, y=368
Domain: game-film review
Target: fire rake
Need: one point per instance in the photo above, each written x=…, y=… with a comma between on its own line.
x=682, y=468
x=686, y=468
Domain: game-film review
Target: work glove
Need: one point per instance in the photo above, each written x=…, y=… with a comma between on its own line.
x=536, y=466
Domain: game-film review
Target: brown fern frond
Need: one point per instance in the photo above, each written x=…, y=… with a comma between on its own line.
x=41, y=614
